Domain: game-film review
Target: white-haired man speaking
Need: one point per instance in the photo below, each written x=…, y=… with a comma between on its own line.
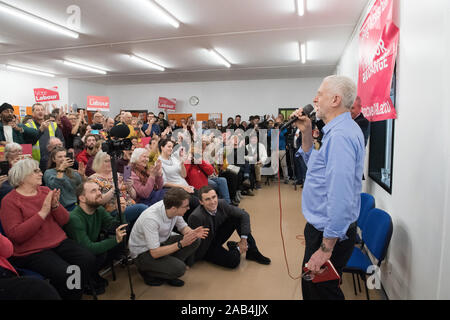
x=331, y=194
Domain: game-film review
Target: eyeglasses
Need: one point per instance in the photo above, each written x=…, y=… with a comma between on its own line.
x=37, y=171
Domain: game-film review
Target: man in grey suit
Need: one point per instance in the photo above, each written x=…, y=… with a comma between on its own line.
x=222, y=220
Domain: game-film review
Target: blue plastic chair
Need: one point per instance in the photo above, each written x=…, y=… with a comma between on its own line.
x=376, y=235
x=367, y=204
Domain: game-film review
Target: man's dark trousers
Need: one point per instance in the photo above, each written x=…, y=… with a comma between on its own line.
x=342, y=252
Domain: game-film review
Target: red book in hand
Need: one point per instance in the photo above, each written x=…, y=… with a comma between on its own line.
x=329, y=273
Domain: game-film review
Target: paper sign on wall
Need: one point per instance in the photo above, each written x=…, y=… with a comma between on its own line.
x=98, y=103
x=43, y=95
x=378, y=40
x=168, y=104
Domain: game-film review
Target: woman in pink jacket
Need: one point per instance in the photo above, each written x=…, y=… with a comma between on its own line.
x=147, y=180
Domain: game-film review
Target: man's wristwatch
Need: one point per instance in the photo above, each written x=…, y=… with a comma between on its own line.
x=324, y=248
x=179, y=245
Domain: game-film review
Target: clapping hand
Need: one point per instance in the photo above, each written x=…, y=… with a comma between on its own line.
x=55, y=198
x=201, y=232
x=82, y=169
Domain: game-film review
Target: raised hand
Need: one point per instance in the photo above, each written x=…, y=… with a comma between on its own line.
x=82, y=169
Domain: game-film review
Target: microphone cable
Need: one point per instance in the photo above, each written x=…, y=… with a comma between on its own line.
x=298, y=237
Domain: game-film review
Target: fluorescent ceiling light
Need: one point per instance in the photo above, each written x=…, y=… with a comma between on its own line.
x=146, y=62
x=301, y=7
x=164, y=13
x=36, y=20
x=220, y=58
x=84, y=67
x=302, y=50
x=28, y=70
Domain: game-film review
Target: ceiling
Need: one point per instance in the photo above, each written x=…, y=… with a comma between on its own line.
x=258, y=37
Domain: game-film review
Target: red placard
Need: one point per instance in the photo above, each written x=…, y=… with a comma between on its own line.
x=168, y=104
x=378, y=40
x=98, y=103
x=43, y=95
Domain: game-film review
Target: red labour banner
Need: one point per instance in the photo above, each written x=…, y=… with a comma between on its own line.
x=98, y=103
x=43, y=95
x=378, y=40
x=168, y=104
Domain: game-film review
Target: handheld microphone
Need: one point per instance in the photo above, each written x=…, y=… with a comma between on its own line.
x=119, y=131
x=308, y=111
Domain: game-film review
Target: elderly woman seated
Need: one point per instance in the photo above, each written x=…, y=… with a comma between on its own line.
x=147, y=180
x=32, y=219
x=13, y=153
x=104, y=178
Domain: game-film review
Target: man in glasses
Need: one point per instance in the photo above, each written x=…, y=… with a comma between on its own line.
x=160, y=255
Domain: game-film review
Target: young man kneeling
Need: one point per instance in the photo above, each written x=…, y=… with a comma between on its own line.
x=159, y=256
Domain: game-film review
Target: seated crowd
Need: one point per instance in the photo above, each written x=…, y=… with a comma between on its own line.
x=179, y=199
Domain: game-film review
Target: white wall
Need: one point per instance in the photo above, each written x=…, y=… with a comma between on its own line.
x=419, y=252
x=229, y=97
x=17, y=88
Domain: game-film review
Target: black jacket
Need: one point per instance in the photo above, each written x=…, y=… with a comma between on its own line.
x=200, y=217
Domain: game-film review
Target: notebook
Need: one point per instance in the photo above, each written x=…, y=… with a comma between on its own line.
x=329, y=273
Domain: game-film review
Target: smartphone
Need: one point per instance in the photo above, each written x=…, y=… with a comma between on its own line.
x=4, y=168
x=95, y=132
x=70, y=155
x=126, y=173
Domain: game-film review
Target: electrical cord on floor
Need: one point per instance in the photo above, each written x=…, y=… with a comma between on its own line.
x=298, y=237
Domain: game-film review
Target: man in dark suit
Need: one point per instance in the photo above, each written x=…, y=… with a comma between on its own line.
x=222, y=220
x=359, y=118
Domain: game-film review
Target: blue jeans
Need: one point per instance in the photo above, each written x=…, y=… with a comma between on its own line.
x=220, y=185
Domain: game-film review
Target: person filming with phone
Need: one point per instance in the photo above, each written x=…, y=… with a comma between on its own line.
x=331, y=193
x=61, y=175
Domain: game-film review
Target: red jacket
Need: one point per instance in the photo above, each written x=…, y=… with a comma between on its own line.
x=28, y=232
x=6, y=251
x=84, y=157
x=197, y=174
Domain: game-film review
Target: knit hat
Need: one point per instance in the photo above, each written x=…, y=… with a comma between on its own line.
x=6, y=106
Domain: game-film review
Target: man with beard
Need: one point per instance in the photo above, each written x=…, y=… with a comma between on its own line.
x=10, y=131
x=90, y=225
x=89, y=152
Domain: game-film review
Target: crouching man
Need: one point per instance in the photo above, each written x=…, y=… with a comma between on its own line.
x=223, y=219
x=159, y=255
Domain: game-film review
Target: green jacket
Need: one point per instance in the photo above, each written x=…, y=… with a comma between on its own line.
x=29, y=135
x=85, y=229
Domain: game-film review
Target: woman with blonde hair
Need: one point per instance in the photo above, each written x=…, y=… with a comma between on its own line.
x=147, y=180
x=103, y=177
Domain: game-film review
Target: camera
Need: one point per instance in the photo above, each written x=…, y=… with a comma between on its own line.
x=116, y=146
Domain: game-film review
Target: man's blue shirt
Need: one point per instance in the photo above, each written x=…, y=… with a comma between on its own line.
x=331, y=194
